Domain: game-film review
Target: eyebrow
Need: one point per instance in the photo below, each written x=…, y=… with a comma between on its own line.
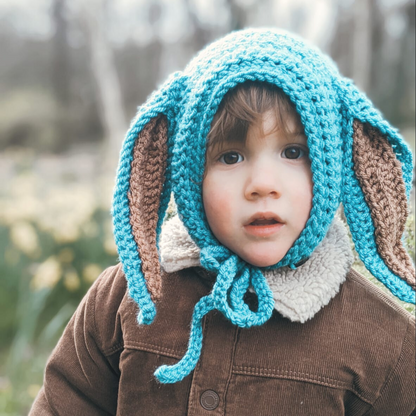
x=289, y=134
x=296, y=135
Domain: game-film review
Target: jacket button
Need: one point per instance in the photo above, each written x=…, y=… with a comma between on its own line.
x=209, y=400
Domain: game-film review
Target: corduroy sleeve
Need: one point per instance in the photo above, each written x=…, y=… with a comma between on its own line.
x=81, y=379
x=398, y=396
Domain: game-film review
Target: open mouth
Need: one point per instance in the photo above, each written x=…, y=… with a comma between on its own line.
x=264, y=219
x=263, y=222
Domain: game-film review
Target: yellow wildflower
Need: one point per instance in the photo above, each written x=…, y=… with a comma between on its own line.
x=47, y=274
x=66, y=255
x=71, y=280
x=24, y=237
x=91, y=272
x=33, y=390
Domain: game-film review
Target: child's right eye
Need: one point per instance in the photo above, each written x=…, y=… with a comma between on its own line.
x=230, y=158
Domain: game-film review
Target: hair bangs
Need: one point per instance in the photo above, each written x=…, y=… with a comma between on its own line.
x=244, y=105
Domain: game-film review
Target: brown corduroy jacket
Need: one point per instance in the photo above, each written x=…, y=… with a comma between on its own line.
x=355, y=357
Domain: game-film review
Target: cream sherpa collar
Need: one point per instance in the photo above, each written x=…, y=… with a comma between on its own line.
x=299, y=294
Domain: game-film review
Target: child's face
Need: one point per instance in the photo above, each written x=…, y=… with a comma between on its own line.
x=257, y=196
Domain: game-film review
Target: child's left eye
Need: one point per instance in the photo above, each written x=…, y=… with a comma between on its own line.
x=294, y=152
x=230, y=158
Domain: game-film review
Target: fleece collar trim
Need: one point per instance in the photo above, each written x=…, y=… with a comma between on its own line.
x=298, y=294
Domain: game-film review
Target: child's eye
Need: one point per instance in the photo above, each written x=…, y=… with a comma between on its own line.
x=294, y=152
x=230, y=158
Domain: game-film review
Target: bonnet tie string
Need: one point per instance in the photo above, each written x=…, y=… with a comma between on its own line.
x=234, y=277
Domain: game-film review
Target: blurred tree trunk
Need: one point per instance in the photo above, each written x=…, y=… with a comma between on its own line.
x=340, y=47
x=108, y=85
x=392, y=77
x=322, y=34
x=61, y=76
x=362, y=42
x=198, y=34
x=406, y=69
x=61, y=66
x=238, y=15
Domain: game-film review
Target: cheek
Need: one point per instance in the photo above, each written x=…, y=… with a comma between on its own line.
x=218, y=206
x=307, y=200
x=302, y=198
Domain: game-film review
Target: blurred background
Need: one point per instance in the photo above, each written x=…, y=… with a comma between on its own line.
x=72, y=74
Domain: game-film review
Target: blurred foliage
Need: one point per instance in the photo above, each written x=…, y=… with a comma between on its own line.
x=32, y=118
x=409, y=244
x=54, y=245
x=51, y=97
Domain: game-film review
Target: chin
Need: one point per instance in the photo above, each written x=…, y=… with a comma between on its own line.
x=262, y=264
x=262, y=261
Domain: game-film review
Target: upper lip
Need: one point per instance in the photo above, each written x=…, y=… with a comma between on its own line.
x=263, y=216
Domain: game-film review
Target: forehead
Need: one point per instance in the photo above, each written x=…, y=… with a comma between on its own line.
x=234, y=123
x=287, y=122
x=285, y=129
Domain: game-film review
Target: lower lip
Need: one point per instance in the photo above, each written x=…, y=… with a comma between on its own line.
x=263, y=230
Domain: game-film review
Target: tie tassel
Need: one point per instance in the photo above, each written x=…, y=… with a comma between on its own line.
x=233, y=280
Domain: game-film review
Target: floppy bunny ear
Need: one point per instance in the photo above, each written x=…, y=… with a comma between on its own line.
x=376, y=186
x=142, y=194
x=146, y=183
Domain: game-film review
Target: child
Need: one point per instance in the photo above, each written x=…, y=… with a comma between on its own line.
x=247, y=301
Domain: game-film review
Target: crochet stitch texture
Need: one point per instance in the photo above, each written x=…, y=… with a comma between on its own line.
x=164, y=152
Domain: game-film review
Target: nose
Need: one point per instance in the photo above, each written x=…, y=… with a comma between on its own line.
x=263, y=182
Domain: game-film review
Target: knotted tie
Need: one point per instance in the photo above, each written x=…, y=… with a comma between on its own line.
x=234, y=278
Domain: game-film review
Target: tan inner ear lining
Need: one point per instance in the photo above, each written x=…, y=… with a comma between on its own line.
x=381, y=179
x=146, y=183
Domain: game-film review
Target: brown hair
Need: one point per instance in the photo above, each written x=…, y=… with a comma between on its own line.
x=244, y=105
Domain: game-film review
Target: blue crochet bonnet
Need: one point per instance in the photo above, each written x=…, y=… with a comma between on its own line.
x=357, y=159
